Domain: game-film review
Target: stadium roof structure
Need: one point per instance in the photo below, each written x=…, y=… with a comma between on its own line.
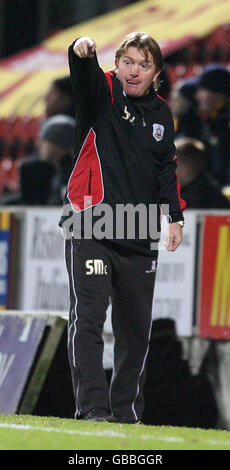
x=25, y=77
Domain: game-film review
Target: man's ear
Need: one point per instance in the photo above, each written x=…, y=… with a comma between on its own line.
x=155, y=80
x=156, y=76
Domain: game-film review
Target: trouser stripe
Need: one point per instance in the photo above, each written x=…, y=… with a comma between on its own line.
x=74, y=311
x=142, y=369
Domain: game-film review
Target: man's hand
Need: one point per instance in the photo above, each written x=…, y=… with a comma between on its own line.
x=84, y=48
x=174, y=236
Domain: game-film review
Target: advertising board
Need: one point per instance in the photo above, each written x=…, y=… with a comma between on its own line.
x=214, y=293
x=174, y=288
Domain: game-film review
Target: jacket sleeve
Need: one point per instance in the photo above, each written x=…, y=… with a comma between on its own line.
x=167, y=180
x=90, y=88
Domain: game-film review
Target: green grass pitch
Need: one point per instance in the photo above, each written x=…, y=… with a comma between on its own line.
x=24, y=432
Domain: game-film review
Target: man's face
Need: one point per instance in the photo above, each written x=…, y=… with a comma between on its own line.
x=208, y=100
x=56, y=102
x=50, y=152
x=135, y=73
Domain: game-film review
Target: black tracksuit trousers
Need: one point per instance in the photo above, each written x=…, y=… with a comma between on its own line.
x=97, y=273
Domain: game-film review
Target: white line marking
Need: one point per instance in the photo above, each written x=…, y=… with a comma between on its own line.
x=28, y=427
x=26, y=331
x=6, y=361
x=107, y=433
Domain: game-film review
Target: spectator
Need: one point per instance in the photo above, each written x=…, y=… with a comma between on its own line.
x=213, y=99
x=183, y=106
x=43, y=180
x=56, y=151
x=198, y=187
x=59, y=98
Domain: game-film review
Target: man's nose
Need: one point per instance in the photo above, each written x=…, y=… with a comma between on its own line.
x=134, y=70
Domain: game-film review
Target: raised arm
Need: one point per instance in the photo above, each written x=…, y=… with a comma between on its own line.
x=90, y=87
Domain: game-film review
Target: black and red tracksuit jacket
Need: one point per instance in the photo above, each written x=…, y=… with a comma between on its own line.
x=124, y=148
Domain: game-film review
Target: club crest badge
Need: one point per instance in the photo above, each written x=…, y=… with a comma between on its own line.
x=158, y=132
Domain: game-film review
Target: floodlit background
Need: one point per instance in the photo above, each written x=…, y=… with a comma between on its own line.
x=188, y=380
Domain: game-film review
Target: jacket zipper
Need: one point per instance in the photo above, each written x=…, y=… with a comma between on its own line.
x=143, y=122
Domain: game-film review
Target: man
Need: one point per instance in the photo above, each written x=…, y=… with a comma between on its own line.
x=198, y=187
x=43, y=180
x=213, y=99
x=59, y=98
x=125, y=156
x=183, y=106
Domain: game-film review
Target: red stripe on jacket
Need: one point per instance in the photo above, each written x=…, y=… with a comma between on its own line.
x=85, y=187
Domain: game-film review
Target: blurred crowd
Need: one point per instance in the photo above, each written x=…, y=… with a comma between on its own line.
x=201, y=112
x=43, y=174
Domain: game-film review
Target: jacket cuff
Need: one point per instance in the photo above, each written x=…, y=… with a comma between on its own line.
x=175, y=217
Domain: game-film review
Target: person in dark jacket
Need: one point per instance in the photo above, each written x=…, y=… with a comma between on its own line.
x=59, y=98
x=43, y=180
x=125, y=151
x=187, y=122
x=213, y=99
x=198, y=186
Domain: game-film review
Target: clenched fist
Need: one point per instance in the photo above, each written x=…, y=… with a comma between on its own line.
x=84, y=48
x=174, y=237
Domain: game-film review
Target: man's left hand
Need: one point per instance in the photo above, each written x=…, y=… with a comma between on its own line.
x=174, y=236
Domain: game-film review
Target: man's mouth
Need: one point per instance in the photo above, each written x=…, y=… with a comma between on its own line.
x=133, y=82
